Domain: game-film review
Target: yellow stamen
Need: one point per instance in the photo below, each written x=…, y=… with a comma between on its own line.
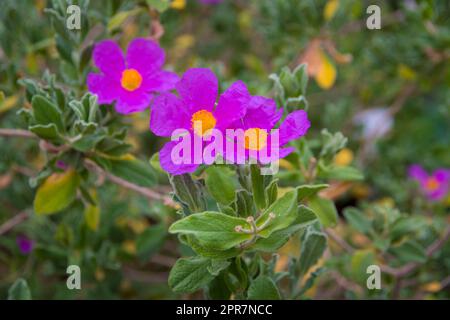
x=202, y=122
x=431, y=184
x=255, y=138
x=131, y=79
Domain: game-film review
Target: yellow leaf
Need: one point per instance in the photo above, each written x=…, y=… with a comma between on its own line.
x=129, y=246
x=178, y=4
x=406, y=72
x=344, y=157
x=7, y=103
x=56, y=193
x=434, y=286
x=326, y=76
x=330, y=9
x=92, y=213
x=118, y=19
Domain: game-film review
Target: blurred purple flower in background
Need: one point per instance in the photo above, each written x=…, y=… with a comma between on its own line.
x=434, y=186
x=25, y=244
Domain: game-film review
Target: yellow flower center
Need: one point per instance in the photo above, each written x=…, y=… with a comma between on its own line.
x=202, y=122
x=431, y=184
x=255, y=138
x=131, y=79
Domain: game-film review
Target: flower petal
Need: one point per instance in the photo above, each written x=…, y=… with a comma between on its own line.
x=161, y=81
x=168, y=115
x=232, y=105
x=198, y=88
x=133, y=101
x=442, y=175
x=165, y=159
x=294, y=126
x=416, y=172
x=261, y=113
x=105, y=87
x=145, y=56
x=108, y=57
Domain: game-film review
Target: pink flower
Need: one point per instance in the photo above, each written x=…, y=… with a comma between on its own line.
x=260, y=142
x=25, y=244
x=198, y=90
x=131, y=81
x=435, y=186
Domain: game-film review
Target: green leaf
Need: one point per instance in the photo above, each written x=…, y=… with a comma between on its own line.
x=213, y=230
x=220, y=184
x=346, y=173
x=306, y=191
x=410, y=251
x=357, y=220
x=45, y=112
x=159, y=5
x=325, y=210
x=210, y=253
x=92, y=213
x=285, y=212
x=19, y=290
x=154, y=162
x=272, y=192
x=244, y=205
x=119, y=18
x=217, y=266
x=46, y=132
x=312, y=248
x=189, y=274
x=218, y=289
x=263, y=288
x=188, y=191
x=135, y=171
x=331, y=143
x=361, y=259
x=151, y=240
x=258, y=187
x=276, y=240
x=405, y=226
x=56, y=193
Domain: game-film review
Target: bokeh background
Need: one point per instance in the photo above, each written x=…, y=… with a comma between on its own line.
x=386, y=90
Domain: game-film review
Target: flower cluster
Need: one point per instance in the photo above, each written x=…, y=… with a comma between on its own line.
x=435, y=186
x=137, y=81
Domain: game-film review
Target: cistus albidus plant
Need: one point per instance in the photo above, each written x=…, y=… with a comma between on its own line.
x=271, y=149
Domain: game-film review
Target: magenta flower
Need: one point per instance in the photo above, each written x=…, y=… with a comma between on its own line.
x=435, y=186
x=25, y=244
x=131, y=81
x=198, y=90
x=260, y=141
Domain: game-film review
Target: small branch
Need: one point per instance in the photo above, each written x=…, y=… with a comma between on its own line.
x=149, y=193
x=11, y=223
x=410, y=267
x=17, y=133
x=340, y=241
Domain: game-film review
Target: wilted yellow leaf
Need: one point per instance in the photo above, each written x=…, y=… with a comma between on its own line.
x=326, y=76
x=344, y=157
x=330, y=9
x=178, y=4
x=406, y=72
x=434, y=286
x=7, y=103
x=56, y=193
x=92, y=213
